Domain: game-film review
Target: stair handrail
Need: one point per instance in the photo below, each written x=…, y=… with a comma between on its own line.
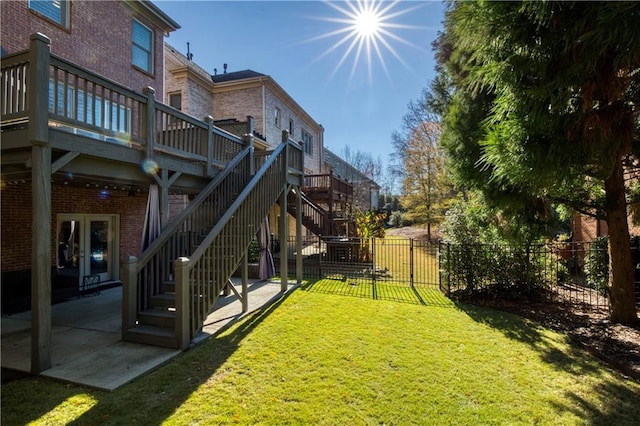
x=175, y=224
x=236, y=204
x=208, y=269
x=316, y=213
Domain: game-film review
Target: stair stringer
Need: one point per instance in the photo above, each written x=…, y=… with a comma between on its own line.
x=212, y=264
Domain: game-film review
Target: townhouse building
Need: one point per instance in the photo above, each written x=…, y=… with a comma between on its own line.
x=91, y=159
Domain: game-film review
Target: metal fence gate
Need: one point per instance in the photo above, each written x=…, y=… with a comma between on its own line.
x=390, y=268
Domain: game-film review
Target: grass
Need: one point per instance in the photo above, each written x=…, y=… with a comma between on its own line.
x=321, y=358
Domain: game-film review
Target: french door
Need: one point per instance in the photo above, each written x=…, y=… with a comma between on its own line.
x=87, y=245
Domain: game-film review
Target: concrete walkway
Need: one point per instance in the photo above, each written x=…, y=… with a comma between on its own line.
x=86, y=337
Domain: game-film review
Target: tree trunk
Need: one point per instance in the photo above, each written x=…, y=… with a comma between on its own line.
x=621, y=273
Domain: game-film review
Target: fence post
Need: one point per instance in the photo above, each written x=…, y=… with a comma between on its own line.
x=210, y=169
x=298, y=235
x=181, y=268
x=320, y=254
x=411, y=262
x=373, y=267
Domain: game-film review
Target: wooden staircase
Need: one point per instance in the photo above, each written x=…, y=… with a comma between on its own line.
x=318, y=219
x=173, y=287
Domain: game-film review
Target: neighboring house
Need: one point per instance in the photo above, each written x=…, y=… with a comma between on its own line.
x=365, y=190
x=586, y=228
x=91, y=159
x=231, y=97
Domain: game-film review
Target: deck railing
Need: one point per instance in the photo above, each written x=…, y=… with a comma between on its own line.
x=328, y=181
x=313, y=216
x=82, y=102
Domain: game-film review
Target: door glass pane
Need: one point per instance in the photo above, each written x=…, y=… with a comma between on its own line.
x=99, y=248
x=68, y=256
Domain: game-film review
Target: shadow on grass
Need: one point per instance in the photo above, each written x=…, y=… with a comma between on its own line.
x=389, y=291
x=527, y=331
x=619, y=403
x=150, y=399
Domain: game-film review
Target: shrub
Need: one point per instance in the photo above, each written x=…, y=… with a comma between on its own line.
x=253, y=253
x=596, y=265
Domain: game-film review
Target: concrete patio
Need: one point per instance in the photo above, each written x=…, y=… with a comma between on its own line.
x=86, y=338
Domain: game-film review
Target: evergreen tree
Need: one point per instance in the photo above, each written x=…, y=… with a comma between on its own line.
x=544, y=108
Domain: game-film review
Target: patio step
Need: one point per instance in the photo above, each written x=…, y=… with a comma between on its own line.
x=152, y=335
x=158, y=317
x=168, y=286
x=163, y=301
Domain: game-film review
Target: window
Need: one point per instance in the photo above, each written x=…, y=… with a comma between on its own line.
x=175, y=100
x=55, y=10
x=142, y=48
x=277, y=116
x=85, y=108
x=290, y=127
x=307, y=142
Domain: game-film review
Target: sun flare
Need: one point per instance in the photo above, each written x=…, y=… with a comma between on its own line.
x=367, y=23
x=366, y=30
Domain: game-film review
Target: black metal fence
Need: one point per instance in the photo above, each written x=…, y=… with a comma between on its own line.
x=568, y=273
x=402, y=262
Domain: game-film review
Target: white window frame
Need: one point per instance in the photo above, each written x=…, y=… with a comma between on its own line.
x=277, y=114
x=171, y=97
x=145, y=49
x=307, y=142
x=40, y=8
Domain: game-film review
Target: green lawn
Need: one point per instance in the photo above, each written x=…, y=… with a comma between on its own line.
x=322, y=358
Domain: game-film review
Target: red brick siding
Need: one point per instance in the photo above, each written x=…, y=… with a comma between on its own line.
x=99, y=39
x=15, y=202
x=585, y=228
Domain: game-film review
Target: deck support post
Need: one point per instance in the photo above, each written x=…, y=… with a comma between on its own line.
x=282, y=226
x=248, y=140
x=283, y=236
x=151, y=120
x=210, y=169
x=244, y=274
x=182, y=289
x=38, y=133
x=130, y=294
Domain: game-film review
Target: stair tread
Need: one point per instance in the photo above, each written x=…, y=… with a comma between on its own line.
x=164, y=313
x=165, y=296
x=152, y=330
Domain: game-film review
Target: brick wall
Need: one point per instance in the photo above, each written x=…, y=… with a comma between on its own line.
x=99, y=39
x=240, y=103
x=273, y=133
x=15, y=202
x=199, y=100
x=585, y=228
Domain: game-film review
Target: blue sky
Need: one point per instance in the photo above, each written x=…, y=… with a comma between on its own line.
x=291, y=42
